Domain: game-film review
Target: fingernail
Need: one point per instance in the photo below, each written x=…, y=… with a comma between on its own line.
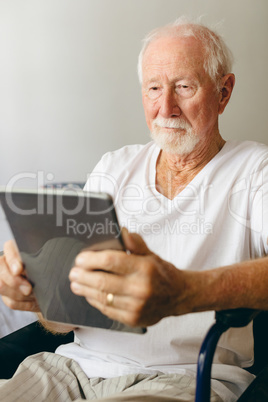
x=15, y=268
x=125, y=233
x=73, y=274
x=75, y=286
x=79, y=260
x=26, y=290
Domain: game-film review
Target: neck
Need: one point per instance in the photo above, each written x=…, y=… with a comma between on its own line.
x=174, y=172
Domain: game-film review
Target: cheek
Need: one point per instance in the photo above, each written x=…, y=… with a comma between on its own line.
x=150, y=111
x=193, y=113
x=203, y=113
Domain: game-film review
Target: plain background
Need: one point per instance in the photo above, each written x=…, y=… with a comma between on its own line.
x=69, y=90
x=68, y=85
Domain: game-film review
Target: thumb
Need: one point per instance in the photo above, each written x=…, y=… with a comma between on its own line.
x=12, y=257
x=135, y=243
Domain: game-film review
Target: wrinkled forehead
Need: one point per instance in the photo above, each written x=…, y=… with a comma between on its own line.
x=167, y=53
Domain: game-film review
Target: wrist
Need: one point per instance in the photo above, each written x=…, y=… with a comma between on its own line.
x=198, y=292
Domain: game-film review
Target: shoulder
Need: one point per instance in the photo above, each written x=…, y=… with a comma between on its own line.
x=250, y=153
x=124, y=157
x=247, y=147
x=114, y=167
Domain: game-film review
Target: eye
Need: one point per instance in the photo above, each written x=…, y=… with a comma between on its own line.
x=182, y=88
x=185, y=90
x=154, y=92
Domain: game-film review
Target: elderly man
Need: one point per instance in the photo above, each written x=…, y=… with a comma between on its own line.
x=200, y=207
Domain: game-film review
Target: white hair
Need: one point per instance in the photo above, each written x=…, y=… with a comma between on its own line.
x=218, y=58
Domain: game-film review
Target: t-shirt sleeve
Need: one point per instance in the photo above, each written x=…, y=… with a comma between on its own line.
x=259, y=208
x=101, y=179
x=94, y=179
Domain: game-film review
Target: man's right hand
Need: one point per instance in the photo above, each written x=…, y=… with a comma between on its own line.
x=15, y=290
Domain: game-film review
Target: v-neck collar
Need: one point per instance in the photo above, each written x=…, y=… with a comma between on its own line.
x=198, y=177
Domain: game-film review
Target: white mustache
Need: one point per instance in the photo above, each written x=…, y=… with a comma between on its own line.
x=171, y=123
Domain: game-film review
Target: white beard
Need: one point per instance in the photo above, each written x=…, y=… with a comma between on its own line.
x=179, y=142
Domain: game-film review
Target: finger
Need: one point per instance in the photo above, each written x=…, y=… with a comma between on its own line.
x=122, y=308
x=125, y=316
x=135, y=243
x=14, y=283
x=125, y=309
x=12, y=257
x=102, y=281
x=15, y=287
x=28, y=305
x=94, y=295
x=109, y=259
x=113, y=261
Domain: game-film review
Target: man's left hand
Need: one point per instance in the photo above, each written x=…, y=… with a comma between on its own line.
x=142, y=287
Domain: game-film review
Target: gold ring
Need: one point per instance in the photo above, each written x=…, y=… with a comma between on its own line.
x=110, y=299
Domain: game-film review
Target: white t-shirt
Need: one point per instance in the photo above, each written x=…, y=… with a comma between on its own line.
x=220, y=218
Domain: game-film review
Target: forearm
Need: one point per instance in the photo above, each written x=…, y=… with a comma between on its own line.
x=147, y=288
x=242, y=285
x=54, y=327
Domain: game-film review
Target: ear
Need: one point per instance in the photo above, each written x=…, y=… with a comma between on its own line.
x=227, y=85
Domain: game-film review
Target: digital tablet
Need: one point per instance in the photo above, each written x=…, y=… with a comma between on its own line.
x=50, y=228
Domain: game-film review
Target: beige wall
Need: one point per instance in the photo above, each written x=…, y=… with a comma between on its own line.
x=68, y=85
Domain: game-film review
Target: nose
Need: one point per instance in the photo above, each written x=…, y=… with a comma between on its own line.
x=169, y=104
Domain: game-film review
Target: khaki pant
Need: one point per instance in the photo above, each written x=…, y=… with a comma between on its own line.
x=49, y=377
